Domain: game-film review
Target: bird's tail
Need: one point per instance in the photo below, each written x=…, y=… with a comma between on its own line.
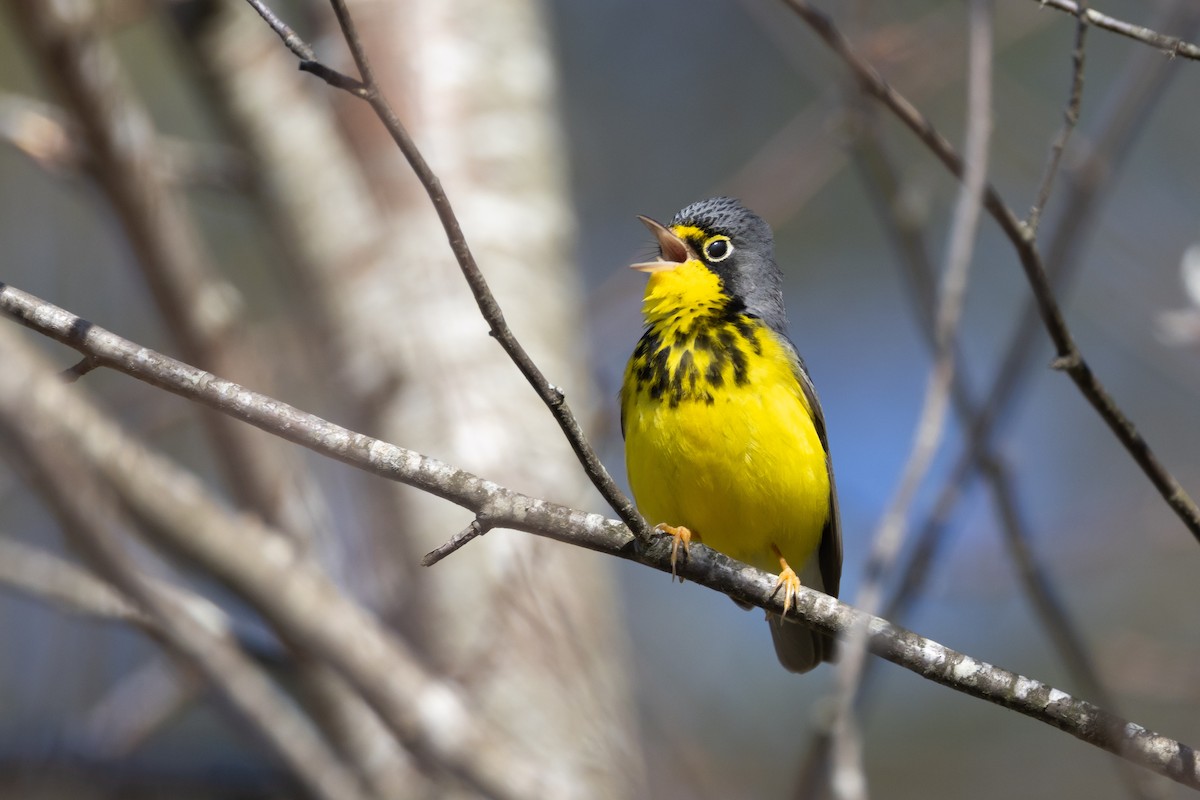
x=799, y=647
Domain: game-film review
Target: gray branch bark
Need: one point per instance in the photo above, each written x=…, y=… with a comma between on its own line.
x=288, y=598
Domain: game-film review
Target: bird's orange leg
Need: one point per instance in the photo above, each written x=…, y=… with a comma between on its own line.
x=680, y=534
x=788, y=580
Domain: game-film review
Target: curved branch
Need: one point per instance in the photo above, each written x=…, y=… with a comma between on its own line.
x=506, y=508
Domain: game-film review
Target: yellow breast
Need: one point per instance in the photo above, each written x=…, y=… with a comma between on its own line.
x=719, y=437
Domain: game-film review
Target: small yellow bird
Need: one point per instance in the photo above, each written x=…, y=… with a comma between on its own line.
x=724, y=437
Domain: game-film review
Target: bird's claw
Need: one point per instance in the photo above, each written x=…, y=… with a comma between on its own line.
x=788, y=580
x=679, y=534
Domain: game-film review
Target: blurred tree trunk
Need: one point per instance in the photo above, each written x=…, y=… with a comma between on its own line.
x=528, y=627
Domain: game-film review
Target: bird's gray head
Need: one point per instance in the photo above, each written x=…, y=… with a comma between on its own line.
x=737, y=245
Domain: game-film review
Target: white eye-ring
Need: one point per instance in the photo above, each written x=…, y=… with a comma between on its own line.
x=718, y=248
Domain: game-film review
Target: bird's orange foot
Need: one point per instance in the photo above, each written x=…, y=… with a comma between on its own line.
x=788, y=581
x=680, y=534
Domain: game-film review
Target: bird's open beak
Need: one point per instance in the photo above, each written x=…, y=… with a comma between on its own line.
x=674, y=251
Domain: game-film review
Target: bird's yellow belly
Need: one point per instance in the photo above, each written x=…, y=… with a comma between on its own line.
x=745, y=472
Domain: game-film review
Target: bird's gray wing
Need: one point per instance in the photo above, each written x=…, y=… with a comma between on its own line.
x=829, y=553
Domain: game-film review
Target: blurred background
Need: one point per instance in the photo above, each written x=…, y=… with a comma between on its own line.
x=552, y=125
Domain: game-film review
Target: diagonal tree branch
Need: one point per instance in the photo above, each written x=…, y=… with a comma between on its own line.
x=881, y=177
x=1124, y=114
x=89, y=516
x=1069, y=358
x=198, y=307
x=290, y=38
x=428, y=714
x=1070, y=120
x=368, y=89
x=69, y=587
x=1169, y=45
x=66, y=586
x=287, y=591
x=849, y=778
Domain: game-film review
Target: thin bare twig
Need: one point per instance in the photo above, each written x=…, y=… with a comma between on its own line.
x=1069, y=358
x=318, y=210
x=80, y=368
x=1127, y=109
x=290, y=38
x=848, y=779
x=1070, y=120
x=554, y=398
x=1141, y=86
x=918, y=274
x=1033, y=577
x=282, y=586
x=1038, y=588
x=1169, y=45
x=1050, y=610
x=478, y=527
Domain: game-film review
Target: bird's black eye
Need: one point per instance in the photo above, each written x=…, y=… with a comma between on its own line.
x=718, y=248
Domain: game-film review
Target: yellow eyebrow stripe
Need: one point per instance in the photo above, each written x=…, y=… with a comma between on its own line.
x=688, y=232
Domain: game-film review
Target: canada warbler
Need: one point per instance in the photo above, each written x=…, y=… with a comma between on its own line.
x=724, y=437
